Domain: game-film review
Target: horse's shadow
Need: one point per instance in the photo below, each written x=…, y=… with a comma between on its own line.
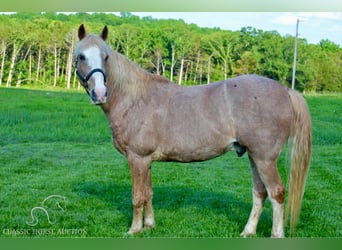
x=172, y=198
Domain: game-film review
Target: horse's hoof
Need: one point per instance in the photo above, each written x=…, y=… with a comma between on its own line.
x=134, y=231
x=277, y=236
x=246, y=234
x=149, y=227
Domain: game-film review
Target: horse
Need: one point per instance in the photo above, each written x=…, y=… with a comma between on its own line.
x=154, y=119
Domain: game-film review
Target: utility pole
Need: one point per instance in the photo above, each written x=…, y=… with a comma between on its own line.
x=295, y=57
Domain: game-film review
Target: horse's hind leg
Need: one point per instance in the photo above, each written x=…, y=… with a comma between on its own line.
x=149, y=215
x=268, y=173
x=259, y=197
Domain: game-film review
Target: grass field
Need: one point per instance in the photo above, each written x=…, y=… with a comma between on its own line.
x=57, y=143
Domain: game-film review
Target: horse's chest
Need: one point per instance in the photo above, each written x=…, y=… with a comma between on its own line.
x=118, y=138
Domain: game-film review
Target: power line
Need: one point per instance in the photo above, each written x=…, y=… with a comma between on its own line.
x=295, y=57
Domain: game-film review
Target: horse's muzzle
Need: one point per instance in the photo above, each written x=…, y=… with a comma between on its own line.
x=98, y=97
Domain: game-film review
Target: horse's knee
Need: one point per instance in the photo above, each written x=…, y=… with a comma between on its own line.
x=138, y=201
x=141, y=196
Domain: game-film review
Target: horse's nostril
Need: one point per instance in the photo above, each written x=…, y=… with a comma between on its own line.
x=93, y=95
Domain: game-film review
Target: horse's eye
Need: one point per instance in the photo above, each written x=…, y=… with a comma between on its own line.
x=81, y=57
x=106, y=58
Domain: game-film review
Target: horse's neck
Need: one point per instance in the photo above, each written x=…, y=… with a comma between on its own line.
x=126, y=76
x=128, y=83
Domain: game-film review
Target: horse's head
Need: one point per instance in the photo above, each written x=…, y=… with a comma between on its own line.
x=91, y=58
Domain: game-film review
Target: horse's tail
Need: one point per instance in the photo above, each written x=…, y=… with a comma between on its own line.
x=300, y=152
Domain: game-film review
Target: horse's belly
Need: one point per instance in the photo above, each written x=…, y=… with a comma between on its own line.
x=193, y=150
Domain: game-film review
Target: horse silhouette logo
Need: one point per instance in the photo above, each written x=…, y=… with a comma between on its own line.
x=48, y=207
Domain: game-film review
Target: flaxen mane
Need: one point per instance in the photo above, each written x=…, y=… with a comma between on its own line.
x=123, y=74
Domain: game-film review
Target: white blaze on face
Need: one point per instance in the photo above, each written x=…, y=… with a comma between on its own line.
x=93, y=56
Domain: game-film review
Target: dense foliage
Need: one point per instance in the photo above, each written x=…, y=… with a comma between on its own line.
x=37, y=49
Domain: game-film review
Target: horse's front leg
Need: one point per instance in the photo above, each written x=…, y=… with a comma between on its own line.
x=141, y=193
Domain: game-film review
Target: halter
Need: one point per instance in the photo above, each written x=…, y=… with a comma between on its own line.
x=85, y=79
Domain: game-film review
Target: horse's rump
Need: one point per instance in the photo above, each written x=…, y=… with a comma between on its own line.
x=261, y=112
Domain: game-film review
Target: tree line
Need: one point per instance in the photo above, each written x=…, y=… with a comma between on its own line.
x=37, y=49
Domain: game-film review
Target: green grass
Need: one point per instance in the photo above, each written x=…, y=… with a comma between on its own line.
x=58, y=143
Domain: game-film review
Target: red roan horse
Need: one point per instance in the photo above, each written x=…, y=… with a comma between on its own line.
x=153, y=119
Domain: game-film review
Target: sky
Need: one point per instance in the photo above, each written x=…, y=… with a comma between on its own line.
x=313, y=26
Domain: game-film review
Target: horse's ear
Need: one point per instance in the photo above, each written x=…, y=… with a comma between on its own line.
x=81, y=32
x=104, y=33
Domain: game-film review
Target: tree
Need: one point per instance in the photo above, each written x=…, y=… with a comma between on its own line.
x=327, y=45
x=272, y=51
x=56, y=31
x=5, y=31
x=221, y=44
x=70, y=42
x=17, y=42
x=159, y=51
x=247, y=64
